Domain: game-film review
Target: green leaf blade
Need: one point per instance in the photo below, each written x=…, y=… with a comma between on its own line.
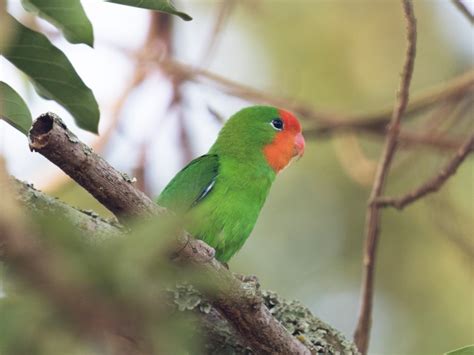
x=13, y=109
x=68, y=16
x=157, y=5
x=53, y=75
x=467, y=350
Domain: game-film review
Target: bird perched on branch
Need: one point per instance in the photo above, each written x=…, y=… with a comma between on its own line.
x=221, y=193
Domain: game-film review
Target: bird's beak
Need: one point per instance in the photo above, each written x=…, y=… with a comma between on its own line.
x=299, y=145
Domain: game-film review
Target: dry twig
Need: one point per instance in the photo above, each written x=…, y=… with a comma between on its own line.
x=448, y=224
x=409, y=139
x=328, y=120
x=362, y=333
x=223, y=15
x=433, y=184
x=464, y=10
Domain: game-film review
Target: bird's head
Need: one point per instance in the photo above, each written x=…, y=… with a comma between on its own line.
x=266, y=130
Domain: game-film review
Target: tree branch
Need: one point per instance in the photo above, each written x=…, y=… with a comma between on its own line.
x=439, y=142
x=244, y=310
x=51, y=138
x=224, y=11
x=362, y=333
x=464, y=10
x=433, y=184
x=219, y=334
x=94, y=227
x=327, y=121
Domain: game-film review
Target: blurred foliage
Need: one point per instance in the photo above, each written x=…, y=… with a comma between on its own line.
x=135, y=277
x=158, y=5
x=5, y=26
x=467, y=350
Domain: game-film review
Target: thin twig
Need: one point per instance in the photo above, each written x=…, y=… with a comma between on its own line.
x=362, y=333
x=408, y=138
x=140, y=73
x=428, y=140
x=433, y=184
x=139, y=170
x=465, y=11
x=223, y=15
x=328, y=120
x=218, y=117
x=449, y=224
x=177, y=102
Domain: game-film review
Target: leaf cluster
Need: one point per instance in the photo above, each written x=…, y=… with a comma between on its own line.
x=47, y=68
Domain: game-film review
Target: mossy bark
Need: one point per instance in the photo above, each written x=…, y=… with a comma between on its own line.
x=222, y=339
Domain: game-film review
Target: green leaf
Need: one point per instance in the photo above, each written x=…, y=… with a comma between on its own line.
x=5, y=25
x=158, y=5
x=467, y=350
x=13, y=109
x=68, y=16
x=53, y=75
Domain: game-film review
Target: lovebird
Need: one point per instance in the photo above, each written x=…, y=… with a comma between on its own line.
x=221, y=193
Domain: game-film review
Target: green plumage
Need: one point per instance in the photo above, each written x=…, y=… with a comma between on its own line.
x=221, y=193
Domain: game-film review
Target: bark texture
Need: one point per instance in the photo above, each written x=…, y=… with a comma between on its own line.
x=50, y=137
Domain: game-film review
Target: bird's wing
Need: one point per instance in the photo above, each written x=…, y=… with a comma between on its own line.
x=191, y=185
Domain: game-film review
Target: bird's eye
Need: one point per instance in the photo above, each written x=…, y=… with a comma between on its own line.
x=277, y=124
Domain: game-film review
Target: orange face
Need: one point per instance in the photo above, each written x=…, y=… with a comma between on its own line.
x=288, y=143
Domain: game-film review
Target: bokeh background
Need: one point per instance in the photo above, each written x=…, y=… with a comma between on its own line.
x=336, y=56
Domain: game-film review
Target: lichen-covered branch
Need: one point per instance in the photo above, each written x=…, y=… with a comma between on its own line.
x=94, y=227
x=241, y=305
x=318, y=336
x=220, y=335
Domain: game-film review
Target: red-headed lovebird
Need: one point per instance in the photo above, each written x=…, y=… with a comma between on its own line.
x=222, y=192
